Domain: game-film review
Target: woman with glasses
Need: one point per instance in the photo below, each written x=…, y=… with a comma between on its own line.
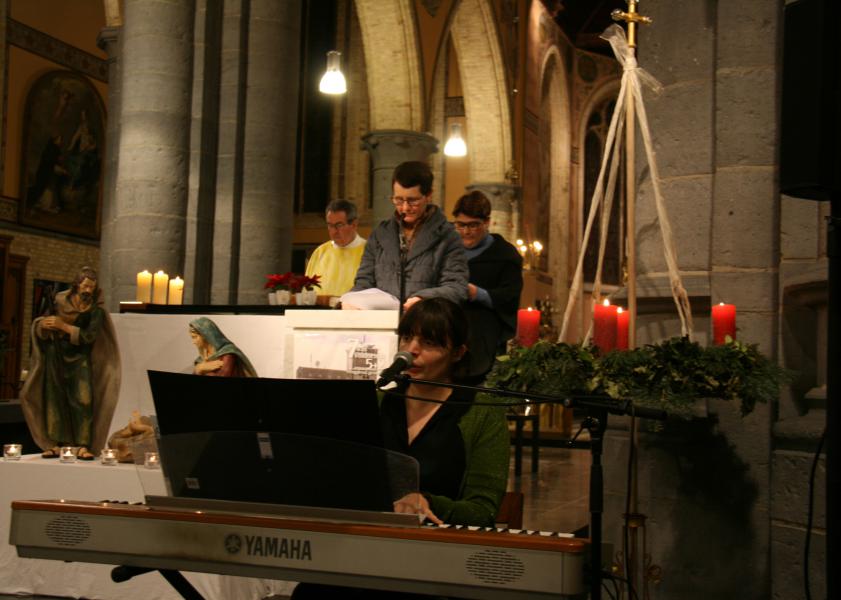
x=496, y=281
x=416, y=253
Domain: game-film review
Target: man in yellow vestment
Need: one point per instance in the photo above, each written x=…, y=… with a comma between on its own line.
x=337, y=260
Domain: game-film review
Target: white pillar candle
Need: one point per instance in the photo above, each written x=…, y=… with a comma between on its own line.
x=144, y=286
x=159, y=292
x=176, y=291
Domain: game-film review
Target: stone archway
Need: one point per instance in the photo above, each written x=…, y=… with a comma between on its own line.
x=486, y=103
x=395, y=94
x=392, y=63
x=555, y=127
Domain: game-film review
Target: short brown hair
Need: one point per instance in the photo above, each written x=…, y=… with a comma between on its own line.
x=342, y=205
x=412, y=173
x=474, y=204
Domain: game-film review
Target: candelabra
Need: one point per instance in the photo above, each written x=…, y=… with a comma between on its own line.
x=530, y=253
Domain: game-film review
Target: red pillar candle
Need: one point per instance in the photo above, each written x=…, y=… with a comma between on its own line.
x=528, y=326
x=724, y=323
x=622, y=317
x=604, y=326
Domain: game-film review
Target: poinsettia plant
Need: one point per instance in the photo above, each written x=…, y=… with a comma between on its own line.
x=292, y=282
x=305, y=282
x=277, y=282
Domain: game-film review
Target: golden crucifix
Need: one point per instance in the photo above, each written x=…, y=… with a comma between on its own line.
x=631, y=17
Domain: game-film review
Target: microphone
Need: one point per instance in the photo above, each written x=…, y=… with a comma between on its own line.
x=402, y=361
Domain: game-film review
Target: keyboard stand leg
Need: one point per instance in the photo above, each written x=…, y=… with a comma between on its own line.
x=175, y=579
x=535, y=443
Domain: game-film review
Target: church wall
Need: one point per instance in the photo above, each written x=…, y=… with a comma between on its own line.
x=52, y=256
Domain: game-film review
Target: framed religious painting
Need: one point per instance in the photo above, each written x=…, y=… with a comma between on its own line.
x=62, y=153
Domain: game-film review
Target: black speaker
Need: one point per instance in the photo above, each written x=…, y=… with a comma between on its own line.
x=810, y=144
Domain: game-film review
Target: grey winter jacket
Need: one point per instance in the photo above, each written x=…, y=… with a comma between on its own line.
x=436, y=265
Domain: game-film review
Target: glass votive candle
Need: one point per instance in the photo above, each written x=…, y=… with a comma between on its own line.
x=108, y=457
x=152, y=461
x=12, y=451
x=66, y=454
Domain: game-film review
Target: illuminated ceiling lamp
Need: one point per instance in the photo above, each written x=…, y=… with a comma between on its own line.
x=333, y=81
x=455, y=146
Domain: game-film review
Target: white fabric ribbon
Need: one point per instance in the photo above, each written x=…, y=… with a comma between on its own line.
x=632, y=79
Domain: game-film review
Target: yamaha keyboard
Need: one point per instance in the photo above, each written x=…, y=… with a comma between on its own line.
x=482, y=563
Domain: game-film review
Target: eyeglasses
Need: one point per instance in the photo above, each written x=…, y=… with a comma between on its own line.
x=411, y=202
x=337, y=226
x=471, y=225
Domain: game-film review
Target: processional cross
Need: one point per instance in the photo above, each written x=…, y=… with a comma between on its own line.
x=631, y=17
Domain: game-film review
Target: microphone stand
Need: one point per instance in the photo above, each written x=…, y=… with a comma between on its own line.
x=404, y=253
x=596, y=423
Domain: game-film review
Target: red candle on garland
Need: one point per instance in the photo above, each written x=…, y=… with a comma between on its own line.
x=528, y=326
x=724, y=323
x=622, y=318
x=604, y=326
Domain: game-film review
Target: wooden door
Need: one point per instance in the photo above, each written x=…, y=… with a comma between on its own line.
x=11, y=324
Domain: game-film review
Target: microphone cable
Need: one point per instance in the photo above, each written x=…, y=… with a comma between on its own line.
x=810, y=516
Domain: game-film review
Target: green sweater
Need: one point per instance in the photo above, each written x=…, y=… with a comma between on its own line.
x=484, y=430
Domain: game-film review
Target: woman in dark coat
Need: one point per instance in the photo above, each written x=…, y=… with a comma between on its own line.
x=495, y=282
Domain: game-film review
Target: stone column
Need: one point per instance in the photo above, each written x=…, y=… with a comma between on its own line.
x=505, y=200
x=388, y=148
x=204, y=144
x=271, y=122
x=109, y=42
x=233, y=83
x=151, y=188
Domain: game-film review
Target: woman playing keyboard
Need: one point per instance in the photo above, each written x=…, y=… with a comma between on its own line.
x=459, y=439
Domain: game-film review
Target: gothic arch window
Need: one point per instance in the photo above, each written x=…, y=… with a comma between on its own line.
x=594, y=142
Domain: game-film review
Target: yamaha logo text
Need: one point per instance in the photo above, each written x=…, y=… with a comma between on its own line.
x=288, y=548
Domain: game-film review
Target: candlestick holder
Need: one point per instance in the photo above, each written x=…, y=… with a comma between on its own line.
x=67, y=455
x=108, y=457
x=12, y=452
x=152, y=461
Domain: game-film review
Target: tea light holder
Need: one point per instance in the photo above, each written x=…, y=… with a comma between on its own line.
x=67, y=455
x=108, y=457
x=12, y=451
x=152, y=461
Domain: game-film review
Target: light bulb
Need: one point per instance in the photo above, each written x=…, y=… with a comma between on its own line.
x=333, y=81
x=455, y=146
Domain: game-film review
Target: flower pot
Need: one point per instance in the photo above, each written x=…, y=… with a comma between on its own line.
x=306, y=298
x=272, y=298
x=283, y=297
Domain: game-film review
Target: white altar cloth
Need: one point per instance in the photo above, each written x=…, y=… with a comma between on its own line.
x=34, y=478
